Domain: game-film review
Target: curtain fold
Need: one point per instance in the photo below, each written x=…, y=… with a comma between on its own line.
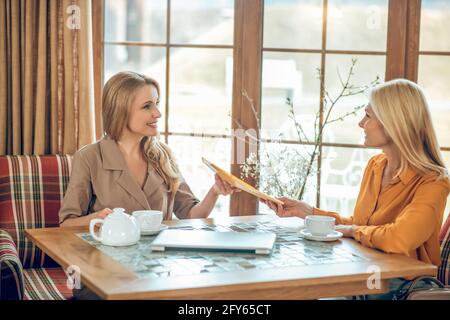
x=46, y=76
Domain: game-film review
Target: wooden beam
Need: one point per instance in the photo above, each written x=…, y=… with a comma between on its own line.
x=397, y=39
x=413, y=40
x=97, y=47
x=247, y=70
x=322, y=96
x=167, y=84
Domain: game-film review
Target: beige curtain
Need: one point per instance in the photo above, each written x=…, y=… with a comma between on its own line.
x=46, y=76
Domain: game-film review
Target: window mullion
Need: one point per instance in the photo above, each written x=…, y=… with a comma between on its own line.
x=98, y=14
x=413, y=40
x=396, y=39
x=247, y=65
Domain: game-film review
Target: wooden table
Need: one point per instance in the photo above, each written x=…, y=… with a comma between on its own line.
x=111, y=280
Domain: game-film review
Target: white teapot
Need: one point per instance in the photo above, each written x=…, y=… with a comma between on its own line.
x=118, y=229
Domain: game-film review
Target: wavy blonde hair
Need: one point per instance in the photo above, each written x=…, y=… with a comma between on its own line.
x=118, y=95
x=401, y=107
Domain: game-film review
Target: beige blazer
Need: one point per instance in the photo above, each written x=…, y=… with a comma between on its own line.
x=100, y=179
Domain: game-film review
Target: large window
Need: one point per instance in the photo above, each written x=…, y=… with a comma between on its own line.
x=299, y=37
x=204, y=53
x=193, y=62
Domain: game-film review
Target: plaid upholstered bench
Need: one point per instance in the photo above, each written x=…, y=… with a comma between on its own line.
x=31, y=191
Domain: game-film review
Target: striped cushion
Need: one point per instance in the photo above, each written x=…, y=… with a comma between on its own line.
x=444, y=268
x=31, y=191
x=11, y=277
x=46, y=284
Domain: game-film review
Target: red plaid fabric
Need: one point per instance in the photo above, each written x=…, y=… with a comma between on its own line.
x=31, y=192
x=444, y=268
x=46, y=284
x=11, y=276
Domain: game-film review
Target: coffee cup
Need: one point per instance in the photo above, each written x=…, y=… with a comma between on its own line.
x=320, y=225
x=148, y=220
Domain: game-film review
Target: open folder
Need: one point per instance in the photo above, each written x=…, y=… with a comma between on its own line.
x=238, y=183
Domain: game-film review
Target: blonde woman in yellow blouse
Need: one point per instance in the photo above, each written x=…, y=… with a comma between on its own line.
x=404, y=190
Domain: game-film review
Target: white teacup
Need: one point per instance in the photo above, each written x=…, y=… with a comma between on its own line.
x=320, y=225
x=148, y=220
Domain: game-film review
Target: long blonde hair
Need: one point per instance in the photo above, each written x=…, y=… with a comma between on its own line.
x=118, y=94
x=401, y=107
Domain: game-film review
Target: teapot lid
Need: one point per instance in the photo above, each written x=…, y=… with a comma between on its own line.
x=117, y=212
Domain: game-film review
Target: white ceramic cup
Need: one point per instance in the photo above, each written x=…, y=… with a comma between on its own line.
x=148, y=220
x=320, y=225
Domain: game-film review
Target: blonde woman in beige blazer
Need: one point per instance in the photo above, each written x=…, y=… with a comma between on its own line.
x=130, y=168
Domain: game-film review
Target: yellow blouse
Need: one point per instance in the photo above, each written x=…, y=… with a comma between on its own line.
x=404, y=218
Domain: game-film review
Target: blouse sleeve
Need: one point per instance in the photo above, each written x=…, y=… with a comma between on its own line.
x=415, y=224
x=339, y=218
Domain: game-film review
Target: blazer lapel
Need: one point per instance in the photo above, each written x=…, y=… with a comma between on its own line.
x=127, y=182
x=156, y=190
x=113, y=159
x=154, y=182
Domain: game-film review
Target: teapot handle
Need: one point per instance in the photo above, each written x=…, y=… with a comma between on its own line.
x=91, y=228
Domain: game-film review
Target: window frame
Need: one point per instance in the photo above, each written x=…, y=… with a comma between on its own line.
x=402, y=59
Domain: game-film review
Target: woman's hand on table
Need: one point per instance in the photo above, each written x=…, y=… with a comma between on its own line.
x=347, y=230
x=102, y=214
x=86, y=219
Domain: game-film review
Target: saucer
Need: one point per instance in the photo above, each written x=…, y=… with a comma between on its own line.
x=153, y=232
x=333, y=236
x=113, y=244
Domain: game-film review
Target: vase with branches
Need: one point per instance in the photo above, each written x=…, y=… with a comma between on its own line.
x=283, y=171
